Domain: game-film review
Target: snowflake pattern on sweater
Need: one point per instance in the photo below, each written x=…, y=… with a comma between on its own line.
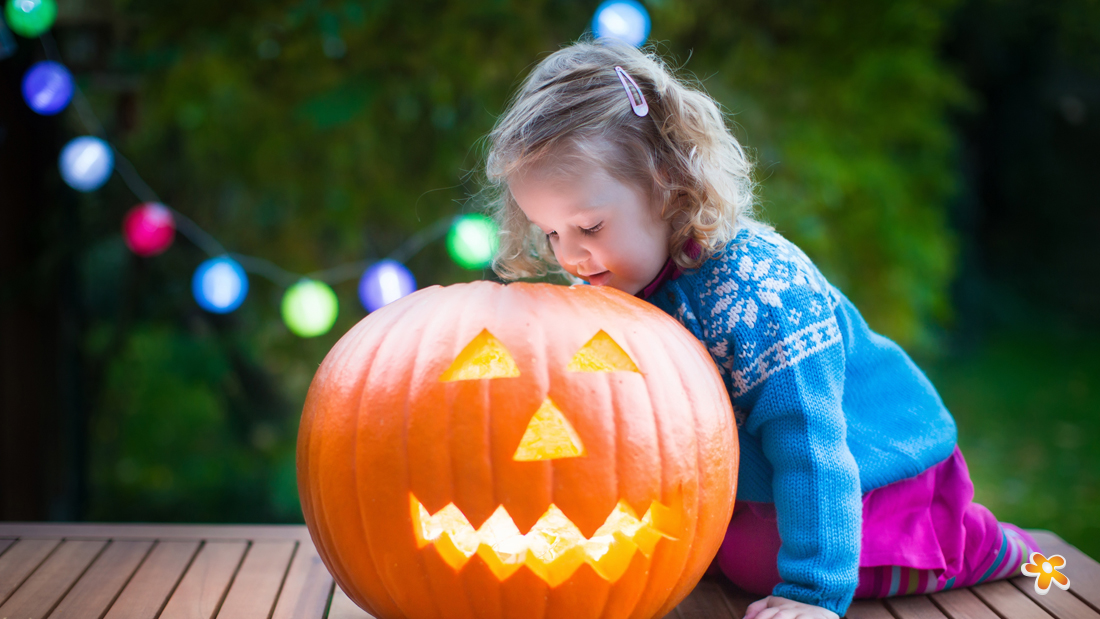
x=750, y=294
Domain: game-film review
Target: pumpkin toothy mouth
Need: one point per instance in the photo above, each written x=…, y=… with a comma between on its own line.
x=554, y=548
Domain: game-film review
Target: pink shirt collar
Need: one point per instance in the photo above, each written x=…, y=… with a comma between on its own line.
x=669, y=271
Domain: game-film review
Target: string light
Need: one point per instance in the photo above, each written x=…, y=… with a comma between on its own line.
x=47, y=87
x=219, y=285
x=383, y=283
x=472, y=241
x=148, y=229
x=30, y=18
x=309, y=308
x=625, y=20
x=86, y=163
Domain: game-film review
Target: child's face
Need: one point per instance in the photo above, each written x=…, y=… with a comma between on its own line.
x=601, y=230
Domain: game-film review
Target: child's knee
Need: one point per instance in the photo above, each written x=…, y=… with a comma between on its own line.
x=748, y=555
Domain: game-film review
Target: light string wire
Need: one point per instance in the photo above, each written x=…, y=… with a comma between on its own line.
x=206, y=241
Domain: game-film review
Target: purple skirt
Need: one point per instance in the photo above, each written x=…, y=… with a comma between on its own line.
x=920, y=535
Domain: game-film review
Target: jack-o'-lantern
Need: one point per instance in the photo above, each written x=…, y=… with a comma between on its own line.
x=523, y=450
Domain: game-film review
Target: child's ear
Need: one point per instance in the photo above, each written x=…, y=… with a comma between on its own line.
x=680, y=217
x=667, y=178
x=674, y=208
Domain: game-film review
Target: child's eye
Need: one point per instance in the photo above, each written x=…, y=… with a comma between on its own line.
x=593, y=230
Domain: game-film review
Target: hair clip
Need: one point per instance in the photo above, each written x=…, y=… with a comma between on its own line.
x=640, y=108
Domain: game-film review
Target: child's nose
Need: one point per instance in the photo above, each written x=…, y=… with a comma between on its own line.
x=572, y=252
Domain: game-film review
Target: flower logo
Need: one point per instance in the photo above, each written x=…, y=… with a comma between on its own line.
x=1045, y=571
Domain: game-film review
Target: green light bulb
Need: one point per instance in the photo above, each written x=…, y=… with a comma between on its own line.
x=30, y=18
x=309, y=308
x=472, y=241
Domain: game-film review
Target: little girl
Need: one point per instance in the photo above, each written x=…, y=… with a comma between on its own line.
x=850, y=482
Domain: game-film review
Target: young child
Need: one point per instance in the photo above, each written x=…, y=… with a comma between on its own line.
x=850, y=482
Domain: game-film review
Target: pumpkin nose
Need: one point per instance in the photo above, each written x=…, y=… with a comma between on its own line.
x=549, y=436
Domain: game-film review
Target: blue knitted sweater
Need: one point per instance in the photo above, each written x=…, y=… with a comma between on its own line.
x=826, y=408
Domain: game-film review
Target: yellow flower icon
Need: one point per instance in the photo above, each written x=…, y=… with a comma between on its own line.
x=1045, y=571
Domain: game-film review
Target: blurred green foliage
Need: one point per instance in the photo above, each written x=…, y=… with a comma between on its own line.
x=1026, y=412
x=176, y=451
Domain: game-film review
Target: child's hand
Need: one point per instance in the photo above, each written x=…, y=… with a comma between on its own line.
x=775, y=607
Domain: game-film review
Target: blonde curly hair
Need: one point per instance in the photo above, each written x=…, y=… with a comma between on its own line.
x=573, y=108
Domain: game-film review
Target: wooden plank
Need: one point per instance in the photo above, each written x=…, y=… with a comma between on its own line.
x=206, y=582
x=1061, y=604
x=5, y=543
x=257, y=584
x=913, y=607
x=104, y=580
x=20, y=560
x=105, y=530
x=343, y=608
x=1082, y=570
x=147, y=592
x=1007, y=601
x=706, y=601
x=43, y=589
x=737, y=599
x=868, y=609
x=307, y=588
x=962, y=604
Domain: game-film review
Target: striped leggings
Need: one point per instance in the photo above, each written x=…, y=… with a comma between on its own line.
x=888, y=581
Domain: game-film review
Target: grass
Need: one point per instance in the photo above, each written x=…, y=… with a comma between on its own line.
x=1028, y=413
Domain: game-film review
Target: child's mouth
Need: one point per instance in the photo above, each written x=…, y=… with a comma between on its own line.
x=599, y=279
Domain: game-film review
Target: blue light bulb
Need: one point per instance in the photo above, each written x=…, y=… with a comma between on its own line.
x=86, y=163
x=219, y=285
x=625, y=20
x=47, y=87
x=383, y=283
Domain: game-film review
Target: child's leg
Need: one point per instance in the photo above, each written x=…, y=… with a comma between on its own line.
x=748, y=558
x=1003, y=561
x=1013, y=551
x=748, y=554
x=890, y=580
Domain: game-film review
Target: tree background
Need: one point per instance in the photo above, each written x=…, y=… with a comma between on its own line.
x=933, y=158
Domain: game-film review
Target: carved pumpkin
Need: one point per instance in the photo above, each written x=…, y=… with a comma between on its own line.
x=529, y=450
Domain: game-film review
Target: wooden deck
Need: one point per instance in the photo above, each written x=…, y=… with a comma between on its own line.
x=126, y=571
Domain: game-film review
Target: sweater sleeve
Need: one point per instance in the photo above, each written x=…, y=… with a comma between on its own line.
x=794, y=410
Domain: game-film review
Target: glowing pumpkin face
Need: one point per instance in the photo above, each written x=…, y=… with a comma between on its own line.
x=527, y=450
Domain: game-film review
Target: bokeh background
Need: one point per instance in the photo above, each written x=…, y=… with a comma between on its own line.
x=936, y=158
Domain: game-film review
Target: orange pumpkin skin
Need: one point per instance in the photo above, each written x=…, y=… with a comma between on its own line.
x=381, y=426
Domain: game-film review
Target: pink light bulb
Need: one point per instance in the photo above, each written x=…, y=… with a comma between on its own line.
x=148, y=229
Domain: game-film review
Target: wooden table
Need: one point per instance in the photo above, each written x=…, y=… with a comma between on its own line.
x=139, y=571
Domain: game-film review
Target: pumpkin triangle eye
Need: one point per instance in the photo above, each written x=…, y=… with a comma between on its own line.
x=483, y=357
x=602, y=354
x=549, y=436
